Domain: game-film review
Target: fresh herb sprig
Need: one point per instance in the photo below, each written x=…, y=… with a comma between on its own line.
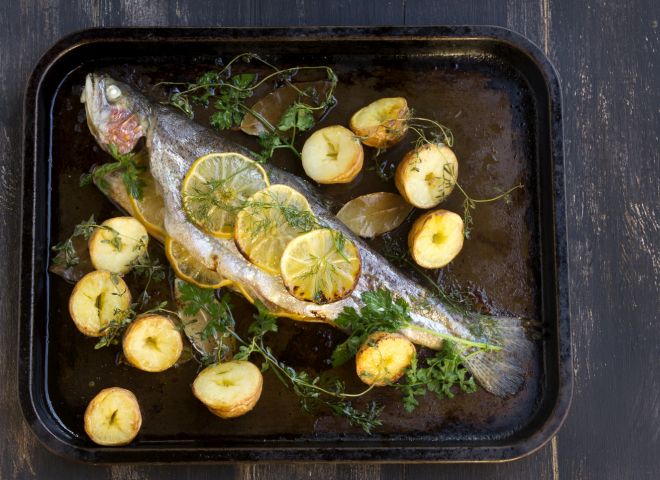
x=382, y=312
x=66, y=252
x=227, y=95
x=470, y=204
x=127, y=164
x=311, y=391
x=444, y=372
x=113, y=331
x=153, y=270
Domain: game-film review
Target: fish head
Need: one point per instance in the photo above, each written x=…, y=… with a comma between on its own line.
x=117, y=115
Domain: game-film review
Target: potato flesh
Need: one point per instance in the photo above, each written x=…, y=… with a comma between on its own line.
x=436, y=238
x=332, y=155
x=152, y=343
x=229, y=389
x=427, y=175
x=113, y=417
x=382, y=123
x=383, y=358
x=95, y=300
x=118, y=257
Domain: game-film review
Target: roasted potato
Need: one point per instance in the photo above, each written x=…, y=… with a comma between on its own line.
x=152, y=343
x=427, y=175
x=117, y=245
x=436, y=238
x=113, y=417
x=383, y=358
x=229, y=389
x=332, y=155
x=95, y=301
x=382, y=123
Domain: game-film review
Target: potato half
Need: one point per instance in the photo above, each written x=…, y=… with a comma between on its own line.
x=436, y=238
x=382, y=123
x=152, y=343
x=383, y=358
x=113, y=417
x=427, y=175
x=115, y=247
x=332, y=155
x=95, y=301
x=229, y=389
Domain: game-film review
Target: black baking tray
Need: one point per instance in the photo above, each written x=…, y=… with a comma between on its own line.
x=508, y=95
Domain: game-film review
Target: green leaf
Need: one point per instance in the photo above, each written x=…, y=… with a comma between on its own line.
x=380, y=313
x=298, y=116
x=244, y=80
x=264, y=321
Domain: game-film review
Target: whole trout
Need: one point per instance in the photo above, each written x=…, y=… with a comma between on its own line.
x=119, y=116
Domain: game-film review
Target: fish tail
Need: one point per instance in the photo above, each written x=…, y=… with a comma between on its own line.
x=500, y=372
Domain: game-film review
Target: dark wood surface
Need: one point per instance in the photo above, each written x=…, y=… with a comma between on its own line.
x=607, y=55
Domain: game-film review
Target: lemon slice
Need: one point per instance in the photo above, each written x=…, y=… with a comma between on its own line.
x=190, y=269
x=216, y=187
x=321, y=266
x=150, y=211
x=272, y=218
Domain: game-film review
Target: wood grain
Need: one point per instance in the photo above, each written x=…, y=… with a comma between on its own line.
x=606, y=53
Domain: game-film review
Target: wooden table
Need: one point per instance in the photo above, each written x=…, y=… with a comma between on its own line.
x=607, y=55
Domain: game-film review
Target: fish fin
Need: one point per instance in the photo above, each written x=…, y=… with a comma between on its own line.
x=502, y=372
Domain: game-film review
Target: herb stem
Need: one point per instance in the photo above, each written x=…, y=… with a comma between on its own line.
x=468, y=343
x=487, y=200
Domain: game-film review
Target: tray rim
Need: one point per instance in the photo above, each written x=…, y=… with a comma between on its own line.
x=349, y=451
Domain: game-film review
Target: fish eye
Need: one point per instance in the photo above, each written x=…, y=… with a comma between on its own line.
x=112, y=93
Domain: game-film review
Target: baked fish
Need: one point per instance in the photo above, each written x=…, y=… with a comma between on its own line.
x=119, y=116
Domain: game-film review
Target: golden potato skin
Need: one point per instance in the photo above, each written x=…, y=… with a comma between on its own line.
x=383, y=358
x=104, y=404
x=424, y=250
x=411, y=172
x=382, y=123
x=98, y=282
x=163, y=331
x=241, y=403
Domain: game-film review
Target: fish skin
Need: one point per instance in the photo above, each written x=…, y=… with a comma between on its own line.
x=174, y=142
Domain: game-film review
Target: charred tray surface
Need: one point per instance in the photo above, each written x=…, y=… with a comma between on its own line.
x=500, y=98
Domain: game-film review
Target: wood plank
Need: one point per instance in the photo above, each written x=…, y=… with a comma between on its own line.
x=612, y=122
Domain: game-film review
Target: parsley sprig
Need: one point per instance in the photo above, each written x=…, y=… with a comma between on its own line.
x=127, y=164
x=444, y=372
x=312, y=391
x=227, y=95
x=382, y=312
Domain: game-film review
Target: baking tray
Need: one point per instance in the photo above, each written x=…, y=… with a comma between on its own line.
x=493, y=87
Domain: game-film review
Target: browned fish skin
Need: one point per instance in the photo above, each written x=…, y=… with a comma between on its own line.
x=174, y=142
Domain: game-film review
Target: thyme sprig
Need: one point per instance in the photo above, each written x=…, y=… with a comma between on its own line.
x=470, y=204
x=312, y=391
x=127, y=164
x=227, y=94
x=122, y=318
x=66, y=252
